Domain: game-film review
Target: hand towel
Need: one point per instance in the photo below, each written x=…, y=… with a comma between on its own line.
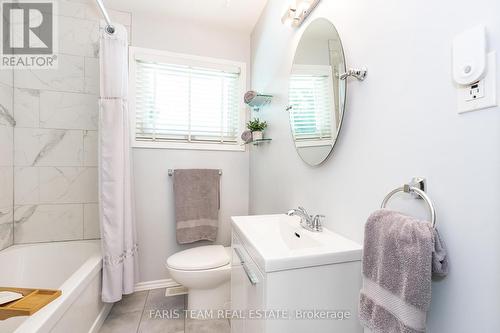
x=440, y=264
x=196, y=199
x=246, y=136
x=398, y=257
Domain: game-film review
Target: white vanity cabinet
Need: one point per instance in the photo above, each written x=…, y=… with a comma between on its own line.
x=299, y=289
x=247, y=290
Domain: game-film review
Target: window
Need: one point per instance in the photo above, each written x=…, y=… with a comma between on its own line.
x=186, y=102
x=311, y=98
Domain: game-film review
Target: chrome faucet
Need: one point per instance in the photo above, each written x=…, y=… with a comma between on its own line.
x=308, y=222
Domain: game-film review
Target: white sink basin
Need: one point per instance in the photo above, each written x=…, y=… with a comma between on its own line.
x=278, y=242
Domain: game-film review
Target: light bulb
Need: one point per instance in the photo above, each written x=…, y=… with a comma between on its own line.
x=288, y=21
x=303, y=6
x=298, y=12
x=289, y=16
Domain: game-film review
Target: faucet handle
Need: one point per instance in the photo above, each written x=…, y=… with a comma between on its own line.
x=303, y=210
x=318, y=222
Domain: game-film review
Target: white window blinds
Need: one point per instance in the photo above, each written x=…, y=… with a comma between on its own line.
x=176, y=101
x=311, y=98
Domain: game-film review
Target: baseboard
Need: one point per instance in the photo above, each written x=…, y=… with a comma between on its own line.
x=101, y=317
x=155, y=284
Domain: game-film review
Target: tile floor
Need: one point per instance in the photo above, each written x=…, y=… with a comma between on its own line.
x=136, y=313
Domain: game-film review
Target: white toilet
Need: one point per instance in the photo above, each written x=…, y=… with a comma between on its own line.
x=206, y=272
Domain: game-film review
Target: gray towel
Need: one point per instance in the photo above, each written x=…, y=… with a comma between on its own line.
x=399, y=255
x=440, y=264
x=196, y=197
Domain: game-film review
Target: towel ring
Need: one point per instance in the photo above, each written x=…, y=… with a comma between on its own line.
x=411, y=188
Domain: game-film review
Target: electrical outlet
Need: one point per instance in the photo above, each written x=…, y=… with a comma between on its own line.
x=481, y=94
x=476, y=91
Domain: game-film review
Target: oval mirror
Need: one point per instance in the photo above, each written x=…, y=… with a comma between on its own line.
x=316, y=95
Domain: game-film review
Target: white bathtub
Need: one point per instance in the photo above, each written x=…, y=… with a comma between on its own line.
x=74, y=267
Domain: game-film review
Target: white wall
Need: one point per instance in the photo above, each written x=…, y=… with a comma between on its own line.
x=401, y=122
x=154, y=197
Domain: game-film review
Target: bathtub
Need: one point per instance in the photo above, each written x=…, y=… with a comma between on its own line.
x=74, y=267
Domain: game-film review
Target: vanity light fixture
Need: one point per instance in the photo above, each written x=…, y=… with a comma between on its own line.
x=298, y=12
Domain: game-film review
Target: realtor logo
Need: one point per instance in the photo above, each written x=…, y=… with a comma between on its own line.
x=28, y=39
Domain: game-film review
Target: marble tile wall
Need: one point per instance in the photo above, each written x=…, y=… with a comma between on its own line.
x=55, y=137
x=6, y=159
x=7, y=124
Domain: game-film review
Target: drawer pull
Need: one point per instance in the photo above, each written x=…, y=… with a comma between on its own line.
x=250, y=275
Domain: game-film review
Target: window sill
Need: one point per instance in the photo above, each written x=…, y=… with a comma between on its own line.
x=188, y=146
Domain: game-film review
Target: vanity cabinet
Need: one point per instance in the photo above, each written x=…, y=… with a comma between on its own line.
x=247, y=290
x=296, y=300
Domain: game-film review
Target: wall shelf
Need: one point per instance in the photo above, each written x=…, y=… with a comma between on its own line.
x=261, y=141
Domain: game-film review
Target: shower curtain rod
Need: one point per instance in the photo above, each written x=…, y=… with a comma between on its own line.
x=109, y=27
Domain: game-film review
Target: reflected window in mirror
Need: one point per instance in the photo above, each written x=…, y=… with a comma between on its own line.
x=311, y=99
x=316, y=94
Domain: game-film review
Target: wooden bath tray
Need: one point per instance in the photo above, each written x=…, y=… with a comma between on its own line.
x=32, y=301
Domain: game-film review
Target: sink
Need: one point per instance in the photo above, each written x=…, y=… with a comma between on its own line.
x=293, y=237
x=277, y=242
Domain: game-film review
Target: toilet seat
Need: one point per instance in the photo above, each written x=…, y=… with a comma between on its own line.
x=199, y=258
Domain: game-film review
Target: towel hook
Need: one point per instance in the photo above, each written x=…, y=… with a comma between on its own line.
x=416, y=187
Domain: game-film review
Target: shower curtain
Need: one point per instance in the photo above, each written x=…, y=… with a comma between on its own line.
x=116, y=211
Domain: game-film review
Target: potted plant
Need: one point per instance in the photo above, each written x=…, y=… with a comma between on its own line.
x=257, y=127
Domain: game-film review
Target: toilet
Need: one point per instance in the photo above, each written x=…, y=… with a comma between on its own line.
x=206, y=272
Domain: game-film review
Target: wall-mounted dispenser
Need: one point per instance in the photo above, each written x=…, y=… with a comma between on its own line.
x=469, y=55
x=256, y=100
x=474, y=70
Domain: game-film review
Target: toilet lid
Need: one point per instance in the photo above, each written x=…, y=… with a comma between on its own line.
x=199, y=258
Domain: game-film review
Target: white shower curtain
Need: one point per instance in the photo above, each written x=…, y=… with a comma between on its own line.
x=116, y=211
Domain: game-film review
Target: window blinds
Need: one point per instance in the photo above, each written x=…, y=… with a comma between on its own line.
x=311, y=98
x=184, y=103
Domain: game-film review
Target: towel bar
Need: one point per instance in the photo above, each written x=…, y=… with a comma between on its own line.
x=417, y=187
x=171, y=172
